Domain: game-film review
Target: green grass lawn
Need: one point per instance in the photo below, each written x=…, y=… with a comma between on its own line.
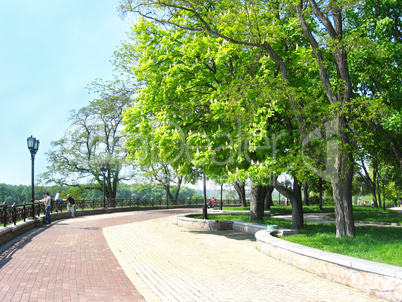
x=283, y=210
x=360, y=213
x=371, y=243
x=380, y=244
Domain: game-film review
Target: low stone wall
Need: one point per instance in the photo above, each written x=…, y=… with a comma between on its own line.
x=10, y=232
x=203, y=224
x=381, y=280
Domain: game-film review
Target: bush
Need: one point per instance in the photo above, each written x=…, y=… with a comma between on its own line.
x=326, y=201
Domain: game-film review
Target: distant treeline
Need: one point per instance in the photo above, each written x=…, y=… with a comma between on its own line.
x=19, y=194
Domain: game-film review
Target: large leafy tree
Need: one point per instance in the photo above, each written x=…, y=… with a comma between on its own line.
x=273, y=28
x=93, y=137
x=376, y=68
x=257, y=99
x=202, y=103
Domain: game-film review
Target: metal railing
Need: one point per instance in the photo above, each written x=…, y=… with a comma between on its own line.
x=11, y=214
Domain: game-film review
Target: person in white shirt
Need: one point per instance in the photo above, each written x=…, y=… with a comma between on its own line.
x=47, y=202
x=57, y=199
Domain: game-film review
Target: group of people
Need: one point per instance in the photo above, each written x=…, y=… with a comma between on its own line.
x=47, y=201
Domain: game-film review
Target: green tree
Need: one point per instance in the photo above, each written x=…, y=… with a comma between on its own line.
x=203, y=99
x=94, y=137
x=266, y=26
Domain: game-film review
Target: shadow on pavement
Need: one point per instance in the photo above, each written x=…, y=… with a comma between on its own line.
x=8, y=249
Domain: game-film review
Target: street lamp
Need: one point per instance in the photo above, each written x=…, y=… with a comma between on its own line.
x=167, y=189
x=204, y=207
x=220, y=207
x=103, y=168
x=33, y=146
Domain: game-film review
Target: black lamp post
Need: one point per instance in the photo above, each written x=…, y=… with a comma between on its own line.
x=33, y=146
x=220, y=207
x=103, y=168
x=204, y=207
x=167, y=189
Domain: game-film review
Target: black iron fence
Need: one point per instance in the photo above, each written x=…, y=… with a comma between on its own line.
x=11, y=214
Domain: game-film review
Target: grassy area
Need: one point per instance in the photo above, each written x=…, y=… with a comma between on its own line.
x=366, y=213
x=283, y=210
x=360, y=213
x=371, y=243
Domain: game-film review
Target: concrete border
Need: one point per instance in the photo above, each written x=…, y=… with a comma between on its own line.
x=378, y=279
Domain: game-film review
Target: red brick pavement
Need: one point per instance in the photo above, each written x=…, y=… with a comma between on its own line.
x=69, y=261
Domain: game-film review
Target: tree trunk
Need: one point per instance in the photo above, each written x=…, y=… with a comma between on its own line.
x=241, y=192
x=169, y=195
x=320, y=196
x=371, y=183
x=295, y=200
x=342, y=157
x=179, y=181
x=373, y=194
x=305, y=191
x=373, y=188
x=297, y=206
x=341, y=181
x=343, y=208
x=379, y=192
x=268, y=197
x=258, y=192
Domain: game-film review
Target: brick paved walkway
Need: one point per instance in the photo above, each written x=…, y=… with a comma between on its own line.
x=145, y=256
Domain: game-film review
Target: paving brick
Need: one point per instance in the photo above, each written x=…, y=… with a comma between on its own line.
x=213, y=266
x=145, y=256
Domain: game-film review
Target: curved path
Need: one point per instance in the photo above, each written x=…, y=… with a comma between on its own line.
x=145, y=256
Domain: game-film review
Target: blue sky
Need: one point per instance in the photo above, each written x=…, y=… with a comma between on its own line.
x=50, y=50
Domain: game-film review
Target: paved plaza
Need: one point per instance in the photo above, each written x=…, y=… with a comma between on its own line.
x=145, y=256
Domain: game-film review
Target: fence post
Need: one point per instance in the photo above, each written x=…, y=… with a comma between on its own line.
x=5, y=214
x=24, y=211
x=14, y=214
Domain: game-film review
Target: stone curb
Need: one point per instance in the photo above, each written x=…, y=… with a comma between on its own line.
x=378, y=279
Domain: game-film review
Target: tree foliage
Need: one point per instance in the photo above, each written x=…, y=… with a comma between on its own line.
x=93, y=137
x=319, y=79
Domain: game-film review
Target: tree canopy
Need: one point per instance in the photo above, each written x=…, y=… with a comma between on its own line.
x=249, y=90
x=93, y=137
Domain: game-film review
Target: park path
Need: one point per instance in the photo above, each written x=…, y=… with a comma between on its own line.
x=145, y=256
x=68, y=260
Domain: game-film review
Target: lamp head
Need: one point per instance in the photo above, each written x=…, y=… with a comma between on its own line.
x=103, y=167
x=33, y=144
